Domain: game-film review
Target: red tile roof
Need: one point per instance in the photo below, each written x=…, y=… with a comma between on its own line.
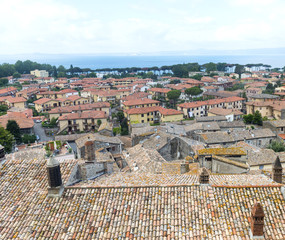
x=19, y=117
x=43, y=100
x=210, y=102
x=135, y=102
x=160, y=90
x=69, y=109
x=7, y=90
x=16, y=99
x=84, y=115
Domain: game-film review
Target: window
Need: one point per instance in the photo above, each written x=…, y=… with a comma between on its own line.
x=142, y=115
x=142, y=121
x=282, y=129
x=261, y=167
x=259, y=142
x=148, y=119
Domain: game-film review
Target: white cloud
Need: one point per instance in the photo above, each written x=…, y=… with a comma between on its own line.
x=52, y=26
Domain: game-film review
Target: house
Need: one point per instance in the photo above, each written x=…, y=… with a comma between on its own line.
x=277, y=126
x=9, y=91
x=18, y=102
x=223, y=160
x=112, y=144
x=251, y=91
x=25, y=123
x=46, y=104
x=61, y=111
x=28, y=93
x=245, y=75
x=259, y=158
x=39, y=73
x=201, y=108
x=138, y=103
x=263, y=97
x=154, y=114
x=230, y=114
x=256, y=137
x=159, y=93
x=81, y=121
x=270, y=109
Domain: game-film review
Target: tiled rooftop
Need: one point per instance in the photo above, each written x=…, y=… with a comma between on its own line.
x=176, y=211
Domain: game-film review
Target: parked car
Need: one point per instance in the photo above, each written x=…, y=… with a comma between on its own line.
x=38, y=137
x=38, y=121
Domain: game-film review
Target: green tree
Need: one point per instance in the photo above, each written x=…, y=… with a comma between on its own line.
x=197, y=77
x=248, y=118
x=124, y=127
x=3, y=109
x=120, y=116
x=173, y=95
x=239, y=69
x=210, y=67
x=13, y=127
x=6, y=140
x=257, y=118
x=29, y=138
x=16, y=75
x=277, y=146
x=193, y=91
x=3, y=82
x=180, y=70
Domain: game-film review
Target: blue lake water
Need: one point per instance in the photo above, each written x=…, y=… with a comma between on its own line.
x=95, y=62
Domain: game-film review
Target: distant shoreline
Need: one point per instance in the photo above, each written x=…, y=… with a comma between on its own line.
x=95, y=62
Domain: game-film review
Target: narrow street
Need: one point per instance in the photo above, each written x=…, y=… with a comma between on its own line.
x=41, y=133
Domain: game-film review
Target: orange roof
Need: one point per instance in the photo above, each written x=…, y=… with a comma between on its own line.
x=67, y=91
x=210, y=102
x=135, y=102
x=16, y=99
x=83, y=115
x=7, y=90
x=136, y=95
x=161, y=90
x=42, y=100
x=19, y=117
x=69, y=109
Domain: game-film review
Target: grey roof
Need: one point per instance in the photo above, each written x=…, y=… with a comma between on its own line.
x=211, y=118
x=263, y=95
x=217, y=137
x=211, y=126
x=234, y=124
x=70, y=138
x=277, y=123
x=158, y=140
x=97, y=137
x=174, y=128
x=223, y=137
x=139, y=125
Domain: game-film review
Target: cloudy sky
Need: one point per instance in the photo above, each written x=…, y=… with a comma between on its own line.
x=139, y=26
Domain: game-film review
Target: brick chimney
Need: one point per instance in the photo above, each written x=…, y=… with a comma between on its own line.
x=257, y=221
x=184, y=167
x=204, y=177
x=277, y=170
x=90, y=151
x=55, y=188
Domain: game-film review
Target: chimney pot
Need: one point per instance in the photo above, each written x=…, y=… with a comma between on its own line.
x=277, y=171
x=54, y=178
x=89, y=151
x=204, y=177
x=257, y=220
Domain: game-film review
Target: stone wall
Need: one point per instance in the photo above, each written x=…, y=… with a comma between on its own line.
x=175, y=149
